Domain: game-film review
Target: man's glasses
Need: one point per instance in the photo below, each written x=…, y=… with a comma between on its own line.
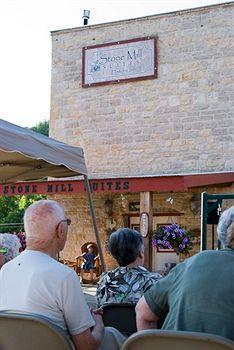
x=68, y=221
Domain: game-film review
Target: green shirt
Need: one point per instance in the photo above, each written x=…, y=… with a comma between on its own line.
x=197, y=295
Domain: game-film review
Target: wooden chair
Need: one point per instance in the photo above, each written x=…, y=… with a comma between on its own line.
x=97, y=266
x=168, y=340
x=69, y=263
x=29, y=331
x=121, y=316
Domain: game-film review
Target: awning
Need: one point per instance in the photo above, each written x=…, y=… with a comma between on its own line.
x=27, y=155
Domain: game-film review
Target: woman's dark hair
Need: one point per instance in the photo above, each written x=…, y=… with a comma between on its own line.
x=125, y=245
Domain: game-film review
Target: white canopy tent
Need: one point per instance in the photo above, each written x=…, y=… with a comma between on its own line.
x=27, y=155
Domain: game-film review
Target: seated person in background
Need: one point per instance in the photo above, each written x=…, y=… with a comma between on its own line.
x=9, y=247
x=198, y=294
x=89, y=261
x=128, y=282
x=34, y=282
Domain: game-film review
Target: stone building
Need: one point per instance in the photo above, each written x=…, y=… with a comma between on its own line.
x=149, y=143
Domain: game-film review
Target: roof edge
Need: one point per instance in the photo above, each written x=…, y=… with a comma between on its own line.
x=141, y=18
x=120, y=176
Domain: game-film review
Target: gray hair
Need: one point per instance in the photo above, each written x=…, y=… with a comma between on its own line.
x=12, y=243
x=125, y=245
x=226, y=228
x=40, y=221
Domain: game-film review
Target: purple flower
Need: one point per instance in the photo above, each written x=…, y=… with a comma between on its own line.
x=172, y=237
x=165, y=243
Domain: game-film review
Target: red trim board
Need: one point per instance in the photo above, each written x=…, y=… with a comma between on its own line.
x=179, y=183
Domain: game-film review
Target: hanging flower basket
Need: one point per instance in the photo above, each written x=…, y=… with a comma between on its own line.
x=172, y=238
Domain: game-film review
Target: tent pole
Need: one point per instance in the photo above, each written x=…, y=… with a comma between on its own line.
x=91, y=206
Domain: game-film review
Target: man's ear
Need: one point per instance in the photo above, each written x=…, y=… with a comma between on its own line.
x=59, y=231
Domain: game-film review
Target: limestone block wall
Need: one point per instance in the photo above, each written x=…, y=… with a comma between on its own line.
x=181, y=122
x=81, y=229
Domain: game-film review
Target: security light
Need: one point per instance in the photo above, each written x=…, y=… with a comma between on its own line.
x=86, y=16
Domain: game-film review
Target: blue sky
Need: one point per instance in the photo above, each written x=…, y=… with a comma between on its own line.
x=25, y=45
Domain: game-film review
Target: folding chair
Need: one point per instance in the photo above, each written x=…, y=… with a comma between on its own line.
x=168, y=340
x=121, y=316
x=29, y=331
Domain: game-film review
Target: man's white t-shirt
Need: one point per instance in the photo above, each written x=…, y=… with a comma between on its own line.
x=34, y=282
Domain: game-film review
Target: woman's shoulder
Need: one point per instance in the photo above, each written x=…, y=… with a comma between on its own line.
x=107, y=278
x=126, y=273
x=124, y=270
x=145, y=278
x=110, y=273
x=146, y=273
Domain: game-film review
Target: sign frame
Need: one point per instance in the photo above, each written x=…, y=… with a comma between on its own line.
x=144, y=224
x=124, y=80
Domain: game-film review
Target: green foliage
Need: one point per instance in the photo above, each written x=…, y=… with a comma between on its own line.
x=12, y=208
x=42, y=127
x=12, y=211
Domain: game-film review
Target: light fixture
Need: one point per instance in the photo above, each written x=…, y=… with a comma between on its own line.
x=108, y=206
x=86, y=16
x=123, y=202
x=170, y=200
x=194, y=203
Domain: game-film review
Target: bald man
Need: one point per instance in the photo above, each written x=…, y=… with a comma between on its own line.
x=35, y=282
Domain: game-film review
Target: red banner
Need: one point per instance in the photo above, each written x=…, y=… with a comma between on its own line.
x=122, y=185
x=97, y=186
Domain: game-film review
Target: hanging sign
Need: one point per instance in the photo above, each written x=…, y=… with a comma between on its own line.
x=144, y=224
x=120, y=61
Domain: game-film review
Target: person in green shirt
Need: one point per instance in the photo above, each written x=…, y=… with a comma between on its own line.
x=198, y=294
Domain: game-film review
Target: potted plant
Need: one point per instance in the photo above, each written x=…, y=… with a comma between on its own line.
x=172, y=240
x=172, y=237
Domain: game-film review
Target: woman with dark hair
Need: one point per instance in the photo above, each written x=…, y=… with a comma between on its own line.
x=128, y=282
